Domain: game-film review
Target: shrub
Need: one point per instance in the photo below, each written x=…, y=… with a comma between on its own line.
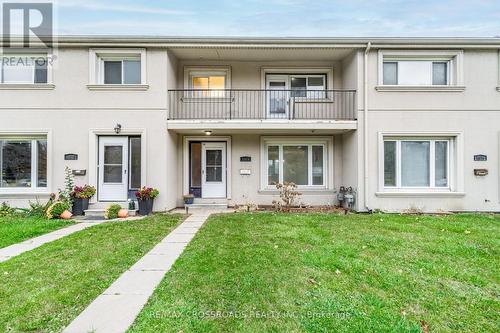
x=112, y=211
x=288, y=195
x=6, y=210
x=83, y=192
x=147, y=193
x=56, y=209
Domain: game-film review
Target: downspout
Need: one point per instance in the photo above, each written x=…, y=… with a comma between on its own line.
x=365, y=125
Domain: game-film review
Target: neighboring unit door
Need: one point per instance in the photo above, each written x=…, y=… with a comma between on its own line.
x=113, y=168
x=213, y=170
x=277, y=96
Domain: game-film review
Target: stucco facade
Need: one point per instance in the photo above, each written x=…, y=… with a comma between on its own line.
x=73, y=111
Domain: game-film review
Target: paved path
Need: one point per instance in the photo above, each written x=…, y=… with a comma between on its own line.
x=16, y=249
x=118, y=306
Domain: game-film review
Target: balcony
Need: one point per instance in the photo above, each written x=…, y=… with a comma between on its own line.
x=261, y=109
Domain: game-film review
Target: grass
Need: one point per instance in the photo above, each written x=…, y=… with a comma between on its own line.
x=45, y=289
x=15, y=229
x=265, y=272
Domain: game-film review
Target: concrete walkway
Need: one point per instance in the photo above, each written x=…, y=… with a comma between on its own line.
x=117, y=307
x=16, y=249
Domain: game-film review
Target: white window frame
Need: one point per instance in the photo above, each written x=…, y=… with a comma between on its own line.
x=454, y=58
x=96, y=70
x=498, y=70
x=325, y=142
x=32, y=136
x=205, y=71
x=432, y=166
x=455, y=162
x=32, y=82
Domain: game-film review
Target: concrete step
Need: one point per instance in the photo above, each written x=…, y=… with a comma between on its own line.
x=99, y=212
x=205, y=201
x=207, y=206
x=105, y=204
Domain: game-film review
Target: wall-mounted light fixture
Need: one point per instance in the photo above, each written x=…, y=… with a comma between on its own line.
x=118, y=128
x=208, y=132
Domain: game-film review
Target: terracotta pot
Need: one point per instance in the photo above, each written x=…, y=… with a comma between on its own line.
x=66, y=215
x=122, y=213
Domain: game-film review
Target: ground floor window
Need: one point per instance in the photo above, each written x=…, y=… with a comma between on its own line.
x=301, y=163
x=410, y=163
x=23, y=162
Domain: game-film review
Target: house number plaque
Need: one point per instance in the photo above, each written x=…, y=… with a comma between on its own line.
x=480, y=158
x=245, y=159
x=70, y=157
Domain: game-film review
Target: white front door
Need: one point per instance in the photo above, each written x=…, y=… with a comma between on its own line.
x=113, y=168
x=277, y=96
x=213, y=170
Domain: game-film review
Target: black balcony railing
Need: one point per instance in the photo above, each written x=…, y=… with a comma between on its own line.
x=242, y=104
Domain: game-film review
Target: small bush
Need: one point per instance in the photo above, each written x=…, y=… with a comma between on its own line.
x=112, y=211
x=56, y=209
x=83, y=192
x=288, y=195
x=6, y=210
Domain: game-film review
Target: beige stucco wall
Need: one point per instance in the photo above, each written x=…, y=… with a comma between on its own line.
x=247, y=189
x=71, y=111
x=474, y=112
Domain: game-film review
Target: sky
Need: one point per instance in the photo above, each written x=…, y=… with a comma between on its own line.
x=279, y=18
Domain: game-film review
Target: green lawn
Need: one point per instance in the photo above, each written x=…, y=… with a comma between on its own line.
x=44, y=289
x=14, y=229
x=265, y=272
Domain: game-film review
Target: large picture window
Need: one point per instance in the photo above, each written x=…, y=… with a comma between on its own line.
x=23, y=163
x=417, y=163
x=302, y=164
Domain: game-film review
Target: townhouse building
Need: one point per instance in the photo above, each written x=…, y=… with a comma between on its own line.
x=407, y=123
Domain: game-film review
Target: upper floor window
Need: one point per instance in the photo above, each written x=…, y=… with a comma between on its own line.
x=415, y=73
x=24, y=69
x=23, y=162
x=122, y=70
x=420, y=69
x=207, y=81
x=118, y=67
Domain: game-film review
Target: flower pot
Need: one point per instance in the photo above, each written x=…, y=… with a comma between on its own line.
x=145, y=206
x=123, y=213
x=66, y=215
x=80, y=206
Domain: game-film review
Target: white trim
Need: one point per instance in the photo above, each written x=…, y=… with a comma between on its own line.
x=185, y=160
x=27, y=86
x=47, y=134
x=96, y=74
x=208, y=70
x=297, y=70
x=420, y=88
x=455, y=58
x=93, y=152
x=275, y=124
x=118, y=87
x=328, y=162
x=417, y=194
x=455, y=161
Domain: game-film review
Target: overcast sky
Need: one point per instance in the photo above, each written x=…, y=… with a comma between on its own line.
x=479, y=18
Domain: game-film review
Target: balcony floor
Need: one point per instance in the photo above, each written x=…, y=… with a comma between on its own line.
x=263, y=126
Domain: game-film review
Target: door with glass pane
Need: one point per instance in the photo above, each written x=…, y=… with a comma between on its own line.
x=213, y=170
x=277, y=96
x=113, y=168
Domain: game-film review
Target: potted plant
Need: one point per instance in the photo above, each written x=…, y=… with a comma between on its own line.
x=145, y=197
x=80, y=196
x=188, y=199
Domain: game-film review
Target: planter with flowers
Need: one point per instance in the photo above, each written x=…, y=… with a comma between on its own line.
x=145, y=197
x=80, y=195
